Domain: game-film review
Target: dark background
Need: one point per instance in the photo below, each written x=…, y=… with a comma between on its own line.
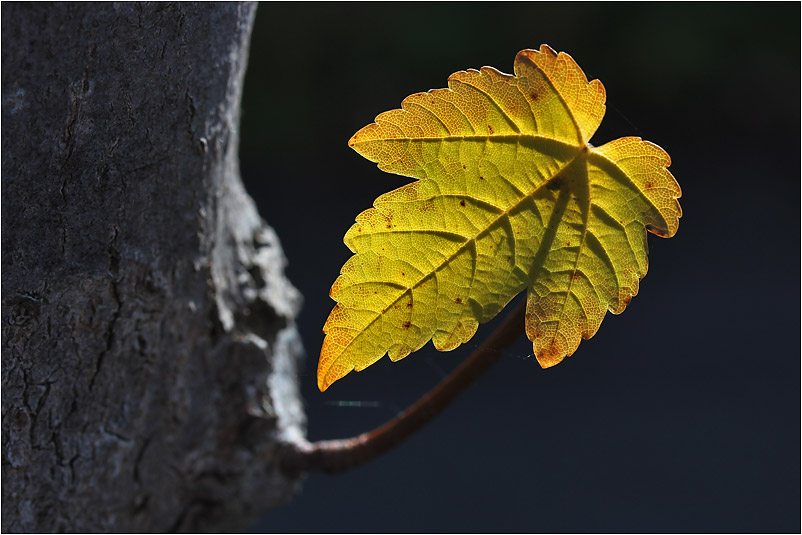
x=682, y=414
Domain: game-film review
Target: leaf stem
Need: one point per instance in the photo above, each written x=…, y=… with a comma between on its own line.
x=334, y=456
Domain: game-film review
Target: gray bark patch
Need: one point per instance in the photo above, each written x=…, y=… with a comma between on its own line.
x=149, y=349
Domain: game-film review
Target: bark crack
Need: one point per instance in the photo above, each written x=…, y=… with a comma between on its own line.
x=114, y=266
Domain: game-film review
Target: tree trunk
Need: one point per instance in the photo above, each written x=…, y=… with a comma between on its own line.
x=148, y=346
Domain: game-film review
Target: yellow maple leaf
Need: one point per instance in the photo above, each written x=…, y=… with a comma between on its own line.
x=510, y=196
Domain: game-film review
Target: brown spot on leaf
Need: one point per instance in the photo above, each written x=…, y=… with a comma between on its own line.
x=550, y=355
x=409, y=305
x=490, y=129
x=555, y=183
x=458, y=300
x=481, y=178
x=533, y=95
x=462, y=202
x=406, y=325
x=649, y=184
x=389, y=225
x=576, y=275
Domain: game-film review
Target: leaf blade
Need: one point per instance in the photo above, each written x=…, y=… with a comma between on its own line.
x=506, y=199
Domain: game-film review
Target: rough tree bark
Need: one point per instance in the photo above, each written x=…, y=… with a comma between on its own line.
x=148, y=343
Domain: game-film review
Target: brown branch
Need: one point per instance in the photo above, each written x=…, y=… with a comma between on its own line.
x=333, y=456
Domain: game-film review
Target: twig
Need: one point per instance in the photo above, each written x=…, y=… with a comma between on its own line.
x=333, y=456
